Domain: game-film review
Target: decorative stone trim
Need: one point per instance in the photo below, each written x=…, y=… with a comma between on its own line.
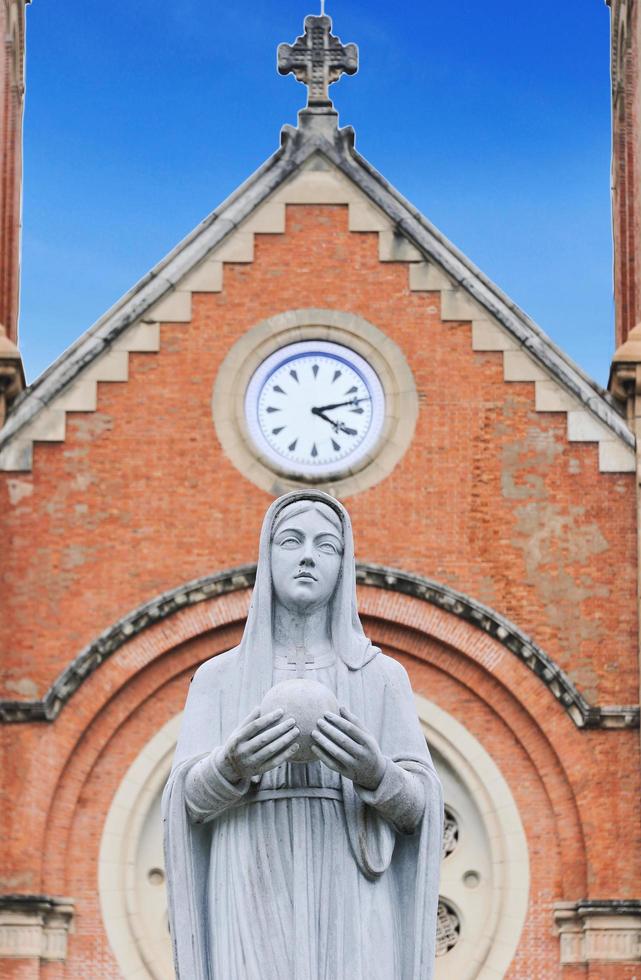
x=317, y=164
x=113, y=638
x=607, y=931
x=556, y=680
x=583, y=714
x=250, y=350
x=80, y=396
x=138, y=953
x=35, y=927
x=489, y=957
x=457, y=305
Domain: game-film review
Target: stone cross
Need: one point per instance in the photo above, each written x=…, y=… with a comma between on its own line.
x=299, y=658
x=317, y=59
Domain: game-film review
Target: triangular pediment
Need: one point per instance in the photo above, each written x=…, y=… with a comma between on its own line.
x=316, y=164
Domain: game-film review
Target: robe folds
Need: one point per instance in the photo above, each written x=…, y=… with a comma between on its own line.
x=300, y=875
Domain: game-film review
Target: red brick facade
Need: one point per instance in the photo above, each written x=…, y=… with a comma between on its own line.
x=498, y=558
x=490, y=499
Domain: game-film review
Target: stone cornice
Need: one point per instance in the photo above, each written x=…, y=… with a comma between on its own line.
x=34, y=927
x=583, y=714
x=599, y=930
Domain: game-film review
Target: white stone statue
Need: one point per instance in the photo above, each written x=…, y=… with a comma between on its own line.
x=320, y=869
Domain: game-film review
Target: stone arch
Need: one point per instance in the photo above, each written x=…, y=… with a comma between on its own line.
x=201, y=590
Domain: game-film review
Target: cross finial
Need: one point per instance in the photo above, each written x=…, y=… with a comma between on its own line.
x=317, y=59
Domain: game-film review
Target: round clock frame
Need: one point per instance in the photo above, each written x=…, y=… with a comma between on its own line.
x=369, y=352
x=315, y=409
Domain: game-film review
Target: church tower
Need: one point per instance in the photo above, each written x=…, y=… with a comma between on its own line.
x=626, y=160
x=12, y=26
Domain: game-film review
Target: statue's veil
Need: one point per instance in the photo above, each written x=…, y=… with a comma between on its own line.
x=354, y=649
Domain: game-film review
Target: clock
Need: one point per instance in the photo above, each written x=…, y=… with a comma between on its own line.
x=315, y=409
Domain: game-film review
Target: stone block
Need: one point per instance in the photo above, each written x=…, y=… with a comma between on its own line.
x=456, y=304
x=584, y=427
x=267, y=220
x=237, y=247
x=142, y=337
x=615, y=457
x=550, y=397
x=315, y=187
x=489, y=336
x=48, y=426
x=17, y=456
x=80, y=397
x=519, y=366
x=428, y=277
x=205, y=278
x=363, y=216
x=394, y=247
x=111, y=366
x=175, y=307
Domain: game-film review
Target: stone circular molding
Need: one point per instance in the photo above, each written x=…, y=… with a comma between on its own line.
x=131, y=869
x=334, y=326
x=484, y=880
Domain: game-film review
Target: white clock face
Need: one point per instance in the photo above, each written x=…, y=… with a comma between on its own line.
x=315, y=408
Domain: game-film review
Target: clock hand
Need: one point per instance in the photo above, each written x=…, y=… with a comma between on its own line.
x=352, y=401
x=338, y=426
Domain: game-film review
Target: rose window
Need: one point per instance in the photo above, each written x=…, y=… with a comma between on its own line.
x=448, y=928
x=450, y=833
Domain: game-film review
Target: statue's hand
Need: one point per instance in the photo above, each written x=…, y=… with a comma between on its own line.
x=343, y=743
x=259, y=744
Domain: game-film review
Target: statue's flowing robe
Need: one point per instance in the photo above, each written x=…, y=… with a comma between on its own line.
x=301, y=877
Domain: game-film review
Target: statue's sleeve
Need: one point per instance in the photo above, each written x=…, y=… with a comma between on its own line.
x=399, y=797
x=208, y=793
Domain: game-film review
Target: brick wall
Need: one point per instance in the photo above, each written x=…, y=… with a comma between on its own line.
x=490, y=499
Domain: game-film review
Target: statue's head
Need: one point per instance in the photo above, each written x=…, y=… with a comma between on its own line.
x=306, y=554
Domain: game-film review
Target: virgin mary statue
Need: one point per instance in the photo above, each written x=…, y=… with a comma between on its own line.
x=279, y=869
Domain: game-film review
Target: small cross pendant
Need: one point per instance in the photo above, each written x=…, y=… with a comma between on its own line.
x=299, y=658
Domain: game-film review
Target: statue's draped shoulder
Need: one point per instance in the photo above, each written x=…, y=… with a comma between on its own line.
x=211, y=706
x=215, y=670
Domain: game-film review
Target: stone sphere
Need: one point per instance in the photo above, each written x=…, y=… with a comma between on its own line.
x=306, y=701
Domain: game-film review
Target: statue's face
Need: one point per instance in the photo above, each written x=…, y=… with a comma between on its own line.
x=306, y=556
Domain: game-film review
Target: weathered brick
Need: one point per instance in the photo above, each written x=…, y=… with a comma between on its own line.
x=490, y=499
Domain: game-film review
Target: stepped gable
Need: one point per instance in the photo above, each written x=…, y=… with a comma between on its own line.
x=317, y=163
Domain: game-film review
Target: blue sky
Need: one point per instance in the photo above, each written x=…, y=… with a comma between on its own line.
x=492, y=118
